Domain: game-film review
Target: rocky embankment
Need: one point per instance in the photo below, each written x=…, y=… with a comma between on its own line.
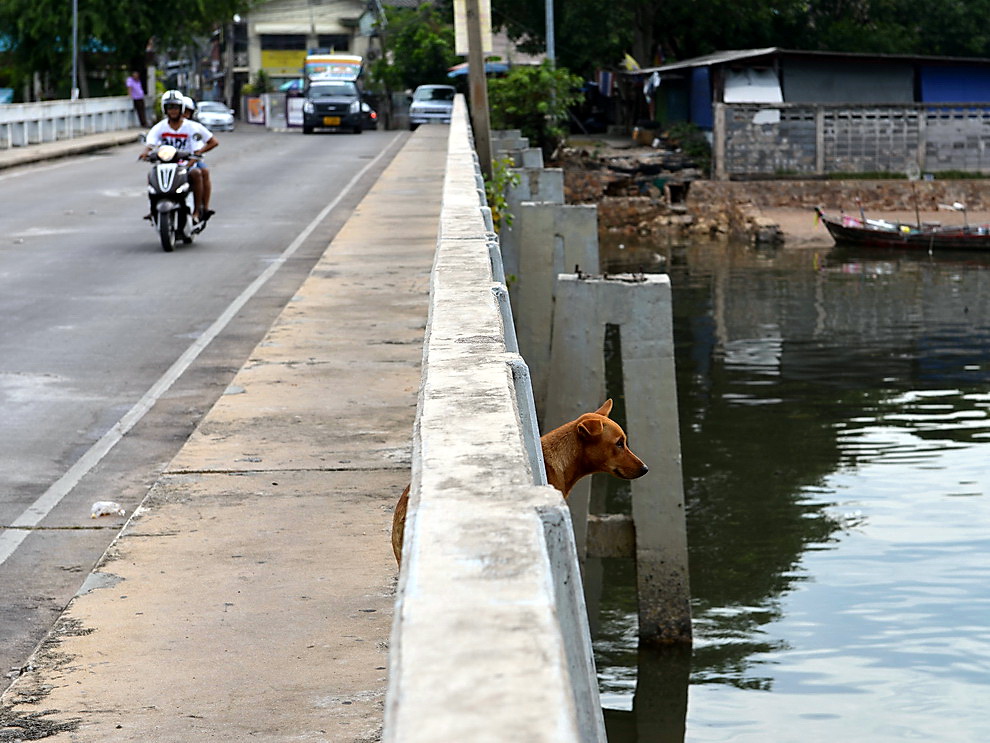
x=642, y=191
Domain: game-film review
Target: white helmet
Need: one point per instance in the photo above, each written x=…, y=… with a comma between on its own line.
x=171, y=97
x=188, y=104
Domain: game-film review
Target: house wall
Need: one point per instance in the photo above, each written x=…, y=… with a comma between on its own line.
x=299, y=27
x=952, y=84
x=842, y=81
x=701, y=97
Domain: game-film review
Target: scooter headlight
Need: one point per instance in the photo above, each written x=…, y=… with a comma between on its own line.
x=166, y=153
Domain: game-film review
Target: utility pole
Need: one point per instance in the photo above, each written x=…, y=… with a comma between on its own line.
x=479, y=90
x=74, y=93
x=228, y=65
x=551, y=44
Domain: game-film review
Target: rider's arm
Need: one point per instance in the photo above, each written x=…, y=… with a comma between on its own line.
x=210, y=144
x=150, y=140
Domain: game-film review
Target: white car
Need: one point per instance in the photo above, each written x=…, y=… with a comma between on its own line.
x=215, y=116
x=431, y=104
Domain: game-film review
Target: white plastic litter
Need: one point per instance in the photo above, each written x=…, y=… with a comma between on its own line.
x=106, y=508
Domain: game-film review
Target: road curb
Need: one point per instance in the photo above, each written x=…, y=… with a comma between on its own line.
x=16, y=156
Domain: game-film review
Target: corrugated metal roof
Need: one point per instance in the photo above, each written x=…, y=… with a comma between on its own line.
x=713, y=59
x=735, y=55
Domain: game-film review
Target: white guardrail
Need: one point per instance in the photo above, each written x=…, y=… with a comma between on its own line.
x=48, y=121
x=490, y=640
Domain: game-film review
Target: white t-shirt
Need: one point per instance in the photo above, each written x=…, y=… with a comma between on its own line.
x=189, y=137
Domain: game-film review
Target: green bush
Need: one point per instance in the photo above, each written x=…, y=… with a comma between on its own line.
x=692, y=142
x=495, y=188
x=534, y=100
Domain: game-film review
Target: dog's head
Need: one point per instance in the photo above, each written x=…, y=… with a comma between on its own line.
x=605, y=446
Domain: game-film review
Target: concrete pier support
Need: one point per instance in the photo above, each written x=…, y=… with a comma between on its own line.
x=508, y=140
x=553, y=239
x=640, y=307
x=543, y=185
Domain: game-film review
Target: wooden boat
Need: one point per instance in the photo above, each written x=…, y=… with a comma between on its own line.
x=881, y=233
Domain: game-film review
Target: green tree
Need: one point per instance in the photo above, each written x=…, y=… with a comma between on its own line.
x=534, y=100
x=113, y=32
x=419, y=48
x=590, y=35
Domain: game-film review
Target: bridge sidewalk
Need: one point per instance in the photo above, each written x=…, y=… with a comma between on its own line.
x=250, y=597
x=13, y=156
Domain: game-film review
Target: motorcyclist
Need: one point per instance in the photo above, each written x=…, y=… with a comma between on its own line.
x=184, y=135
x=189, y=112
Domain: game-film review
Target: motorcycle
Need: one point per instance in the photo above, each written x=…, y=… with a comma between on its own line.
x=171, y=196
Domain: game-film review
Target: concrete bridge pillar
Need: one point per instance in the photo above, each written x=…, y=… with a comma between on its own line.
x=639, y=309
x=552, y=239
x=544, y=185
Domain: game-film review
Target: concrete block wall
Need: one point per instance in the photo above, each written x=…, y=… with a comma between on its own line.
x=786, y=139
x=490, y=639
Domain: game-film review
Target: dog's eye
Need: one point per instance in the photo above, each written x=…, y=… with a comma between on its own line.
x=621, y=444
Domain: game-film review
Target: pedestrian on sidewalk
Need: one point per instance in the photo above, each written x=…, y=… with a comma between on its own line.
x=136, y=90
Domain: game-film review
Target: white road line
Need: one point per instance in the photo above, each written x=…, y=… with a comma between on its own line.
x=11, y=539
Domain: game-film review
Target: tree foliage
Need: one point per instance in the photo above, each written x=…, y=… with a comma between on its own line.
x=114, y=32
x=591, y=35
x=534, y=100
x=419, y=45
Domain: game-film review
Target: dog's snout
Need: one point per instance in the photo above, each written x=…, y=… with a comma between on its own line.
x=644, y=470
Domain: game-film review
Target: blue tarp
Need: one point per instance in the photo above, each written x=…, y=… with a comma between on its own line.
x=490, y=67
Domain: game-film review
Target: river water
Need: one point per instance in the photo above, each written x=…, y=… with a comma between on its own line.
x=835, y=427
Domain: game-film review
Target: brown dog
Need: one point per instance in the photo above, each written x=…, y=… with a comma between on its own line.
x=591, y=443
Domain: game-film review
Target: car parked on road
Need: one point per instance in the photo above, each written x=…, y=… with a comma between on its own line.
x=431, y=104
x=333, y=104
x=215, y=116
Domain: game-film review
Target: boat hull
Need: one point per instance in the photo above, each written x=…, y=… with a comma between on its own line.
x=908, y=237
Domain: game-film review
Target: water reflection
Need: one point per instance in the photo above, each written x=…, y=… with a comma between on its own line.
x=835, y=426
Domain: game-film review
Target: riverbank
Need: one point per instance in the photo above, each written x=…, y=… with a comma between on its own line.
x=643, y=191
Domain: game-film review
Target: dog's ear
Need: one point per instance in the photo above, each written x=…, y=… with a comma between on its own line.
x=606, y=408
x=591, y=428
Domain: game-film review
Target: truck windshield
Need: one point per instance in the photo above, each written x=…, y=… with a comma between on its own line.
x=327, y=90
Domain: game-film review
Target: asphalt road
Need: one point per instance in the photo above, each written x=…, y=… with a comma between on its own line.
x=111, y=350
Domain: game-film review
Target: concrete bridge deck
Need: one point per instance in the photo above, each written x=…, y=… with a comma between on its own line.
x=251, y=596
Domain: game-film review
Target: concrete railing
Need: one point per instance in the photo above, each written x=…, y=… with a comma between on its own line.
x=48, y=121
x=490, y=640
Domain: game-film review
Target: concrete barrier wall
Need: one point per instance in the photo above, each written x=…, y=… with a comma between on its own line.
x=47, y=121
x=490, y=640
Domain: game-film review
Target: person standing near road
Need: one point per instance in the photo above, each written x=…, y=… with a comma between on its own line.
x=136, y=91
